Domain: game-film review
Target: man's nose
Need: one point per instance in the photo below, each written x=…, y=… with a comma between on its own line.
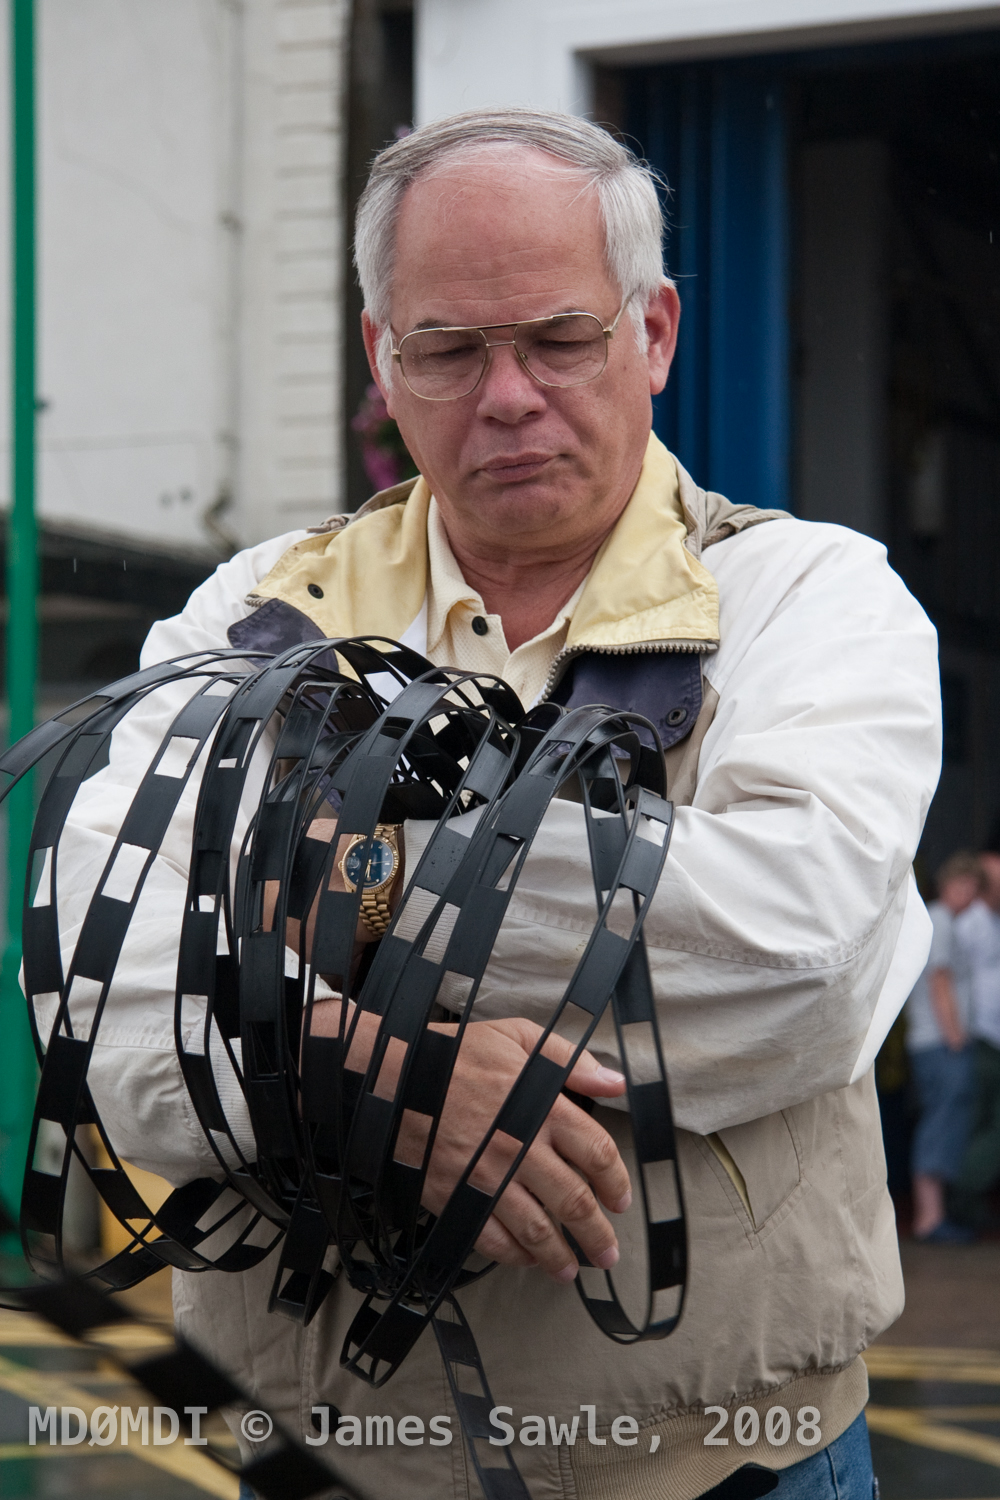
x=507, y=392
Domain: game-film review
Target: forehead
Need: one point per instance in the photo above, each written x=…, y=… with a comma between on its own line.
x=495, y=234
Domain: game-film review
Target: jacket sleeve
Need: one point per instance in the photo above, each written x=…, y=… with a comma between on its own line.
x=134, y=1074
x=786, y=931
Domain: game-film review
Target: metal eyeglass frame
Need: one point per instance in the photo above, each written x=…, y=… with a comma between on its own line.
x=485, y=328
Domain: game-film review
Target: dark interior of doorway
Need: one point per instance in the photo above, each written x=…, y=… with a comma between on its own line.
x=893, y=173
x=380, y=109
x=906, y=145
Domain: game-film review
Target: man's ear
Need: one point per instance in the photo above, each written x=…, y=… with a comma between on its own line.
x=370, y=334
x=662, y=317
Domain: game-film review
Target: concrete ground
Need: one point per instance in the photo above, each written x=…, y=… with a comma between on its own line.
x=39, y=1367
x=934, y=1413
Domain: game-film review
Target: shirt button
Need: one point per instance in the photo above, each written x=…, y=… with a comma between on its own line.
x=316, y=591
x=480, y=626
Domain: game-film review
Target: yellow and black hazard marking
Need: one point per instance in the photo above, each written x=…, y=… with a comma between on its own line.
x=141, y=1410
x=43, y=1368
x=934, y=1419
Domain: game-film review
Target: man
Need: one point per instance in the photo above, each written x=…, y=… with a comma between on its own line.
x=938, y=1017
x=978, y=930
x=518, y=321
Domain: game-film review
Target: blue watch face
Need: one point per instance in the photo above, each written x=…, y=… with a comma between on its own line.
x=380, y=864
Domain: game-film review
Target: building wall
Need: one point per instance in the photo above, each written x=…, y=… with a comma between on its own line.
x=290, y=471
x=538, y=51
x=190, y=266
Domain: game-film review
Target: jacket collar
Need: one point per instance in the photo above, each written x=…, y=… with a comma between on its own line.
x=647, y=589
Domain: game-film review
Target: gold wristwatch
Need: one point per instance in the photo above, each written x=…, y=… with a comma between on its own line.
x=379, y=878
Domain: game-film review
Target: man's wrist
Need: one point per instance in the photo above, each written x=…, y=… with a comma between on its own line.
x=378, y=907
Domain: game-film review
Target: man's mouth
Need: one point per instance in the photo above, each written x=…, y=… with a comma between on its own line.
x=518, y=466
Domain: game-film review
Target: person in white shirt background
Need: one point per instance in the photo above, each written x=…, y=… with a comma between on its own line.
x=938, y=1019
x=978, y=931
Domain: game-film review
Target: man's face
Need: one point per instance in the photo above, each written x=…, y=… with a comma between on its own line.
x=518, y=467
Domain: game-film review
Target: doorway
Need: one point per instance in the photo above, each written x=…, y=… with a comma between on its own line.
x=835, y=231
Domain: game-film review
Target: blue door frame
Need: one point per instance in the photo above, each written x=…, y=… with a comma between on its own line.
x=717, y=132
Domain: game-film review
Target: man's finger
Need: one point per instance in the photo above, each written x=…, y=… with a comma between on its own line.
x=497, y=1243
x=590, y=1077
x=520, y=1212
x=571, y=1203
x=587, y=1146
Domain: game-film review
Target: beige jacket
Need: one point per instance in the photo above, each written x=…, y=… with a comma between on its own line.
x=782, y=940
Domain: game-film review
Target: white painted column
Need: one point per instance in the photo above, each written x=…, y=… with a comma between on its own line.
x=289, y=471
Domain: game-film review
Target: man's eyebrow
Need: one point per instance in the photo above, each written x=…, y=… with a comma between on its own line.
x=436, y=322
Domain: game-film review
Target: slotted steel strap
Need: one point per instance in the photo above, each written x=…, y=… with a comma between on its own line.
x=309, y=751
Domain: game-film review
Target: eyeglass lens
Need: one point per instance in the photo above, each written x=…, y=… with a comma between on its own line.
x=446, y=363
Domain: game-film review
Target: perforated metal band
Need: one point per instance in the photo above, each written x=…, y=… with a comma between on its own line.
x=371, y=733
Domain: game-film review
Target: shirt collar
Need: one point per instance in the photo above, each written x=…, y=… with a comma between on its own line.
x=446, y=586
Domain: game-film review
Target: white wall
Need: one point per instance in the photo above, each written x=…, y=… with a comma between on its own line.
x=131, y=139
x=290, y=469
x=478, y=52
x=189, y=267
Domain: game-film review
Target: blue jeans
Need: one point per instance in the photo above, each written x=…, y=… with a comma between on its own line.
x=945, y=1090
x=843, y=1471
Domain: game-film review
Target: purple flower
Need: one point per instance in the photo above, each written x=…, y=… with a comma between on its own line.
x=384, y=454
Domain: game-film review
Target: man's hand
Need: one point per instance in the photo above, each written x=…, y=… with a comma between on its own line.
x=573, y=1164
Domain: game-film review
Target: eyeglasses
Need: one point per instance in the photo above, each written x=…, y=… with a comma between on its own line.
x=445, y=364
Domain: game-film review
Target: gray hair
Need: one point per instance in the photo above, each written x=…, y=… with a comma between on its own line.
x=626, y=194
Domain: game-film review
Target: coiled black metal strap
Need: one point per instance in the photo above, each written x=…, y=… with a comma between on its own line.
x=369, y=733
x=63, y=1097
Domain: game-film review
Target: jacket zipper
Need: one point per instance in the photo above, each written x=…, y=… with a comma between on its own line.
x=640, y=647
x=568, y=653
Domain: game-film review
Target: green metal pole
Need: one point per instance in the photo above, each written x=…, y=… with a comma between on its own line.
x=17, y=1063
